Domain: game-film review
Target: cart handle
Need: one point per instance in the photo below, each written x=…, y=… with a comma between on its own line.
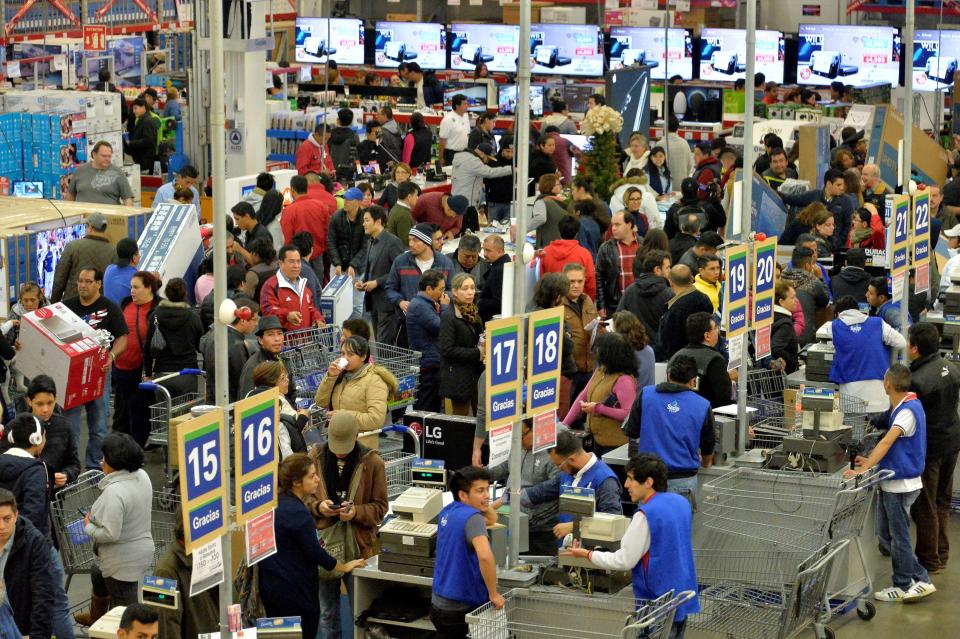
x=665, y=611
x=153, y=384
x=396, y=428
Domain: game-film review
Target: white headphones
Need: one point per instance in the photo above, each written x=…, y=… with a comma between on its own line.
x=36, y=437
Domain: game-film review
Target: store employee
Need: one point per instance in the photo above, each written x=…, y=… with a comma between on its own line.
x=465, y=572
x=454, y=129
x=658, y=544
x=577, y=468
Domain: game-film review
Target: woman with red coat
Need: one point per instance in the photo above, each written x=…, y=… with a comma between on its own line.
x=131, y=405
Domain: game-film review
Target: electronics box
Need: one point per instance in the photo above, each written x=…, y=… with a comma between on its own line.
x=56, y=342
x=336, y=300
x=564, y=15
x=170, y=243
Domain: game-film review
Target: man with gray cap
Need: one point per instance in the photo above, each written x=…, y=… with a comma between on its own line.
x=270, y=339
x=469, y=170
x=93, y=250
x=116, y=279
x=403, y=283
x=443, y=210
x=99, y=181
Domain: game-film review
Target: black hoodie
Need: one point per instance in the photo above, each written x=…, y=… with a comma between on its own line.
x=343, y=144
x=851, y=280
x=647, y=298
x=26, y=478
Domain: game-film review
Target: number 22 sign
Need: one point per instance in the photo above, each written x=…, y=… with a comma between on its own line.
x=256, y=419
x=501, y=350
x=201, y=447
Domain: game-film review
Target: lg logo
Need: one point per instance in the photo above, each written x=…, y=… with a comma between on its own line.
x=433, y=432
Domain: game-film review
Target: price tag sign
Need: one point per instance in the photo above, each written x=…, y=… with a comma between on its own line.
x=735, y=291
x=544, y=347
x=201, y=447
x=255, y=425
x=764, y=260
x=921, y=229
x=898, y=212
x=502, y=357
x=544, y=431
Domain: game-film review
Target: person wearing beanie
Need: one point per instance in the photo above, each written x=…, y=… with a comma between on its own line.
x=470, y=168
x=443, y=210
x=116, y=279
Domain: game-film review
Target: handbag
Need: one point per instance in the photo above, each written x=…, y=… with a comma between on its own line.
x=157, y=342
x=338, y=540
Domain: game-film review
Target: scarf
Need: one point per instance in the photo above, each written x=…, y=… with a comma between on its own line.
x=469, y=312
x=859, y=235
x=338, y=472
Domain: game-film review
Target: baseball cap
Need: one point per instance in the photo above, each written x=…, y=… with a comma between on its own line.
x=954, y=232
x=486, y=148
x=342, y=433
x=97, y=221
x=126, y=249
x=353, y=193
x=458, y=204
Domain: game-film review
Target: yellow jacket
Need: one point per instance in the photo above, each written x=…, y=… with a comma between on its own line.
x=710, y=290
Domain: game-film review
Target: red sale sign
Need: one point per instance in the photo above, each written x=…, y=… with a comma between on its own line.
x=94, y=37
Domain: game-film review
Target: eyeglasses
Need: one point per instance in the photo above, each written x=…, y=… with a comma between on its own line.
x=635, y=199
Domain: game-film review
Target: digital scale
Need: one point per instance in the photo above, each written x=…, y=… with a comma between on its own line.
x=825, y=437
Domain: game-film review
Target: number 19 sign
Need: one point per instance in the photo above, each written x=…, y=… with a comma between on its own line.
x=544, y=341
x=502, y=354
x=202, y=445
x=256, y=420
x=735, y=291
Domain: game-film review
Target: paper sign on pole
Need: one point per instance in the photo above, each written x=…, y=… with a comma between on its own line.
x=735, y=291
x=898, y=234
x=255, y=454
x=762, y=342
x=921, y=241
x=544, y=346
x=203, y=482
x=500, y=444
x=207, y=567
x=261, y=538
x=544, y=431
x=502, y=356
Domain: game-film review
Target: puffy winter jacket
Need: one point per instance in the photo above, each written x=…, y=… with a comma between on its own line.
x=936, y=382
x=364, y=395
x=92, y=250
x=559, y=253
x=423, y=329
x=26, y=478
x=182, y=330
x=403, y=283
x=28, y=576
x=647, y=298
x=391, y=140
x=343, y=146
x=346, y=241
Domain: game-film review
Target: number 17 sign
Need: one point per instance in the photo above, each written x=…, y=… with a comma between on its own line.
x=502, y=355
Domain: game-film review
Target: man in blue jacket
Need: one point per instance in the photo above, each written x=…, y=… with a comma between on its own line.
x=423, y=331
x=577, y=468
x=675, y=423
x=403, y=283
x=831, y=195
x=878, y=297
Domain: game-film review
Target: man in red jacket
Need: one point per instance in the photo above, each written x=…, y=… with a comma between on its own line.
x=305, y=214
x=567, y=250
x=321, y=188
x=313, y=155
x=443, y=210
x=287, y=296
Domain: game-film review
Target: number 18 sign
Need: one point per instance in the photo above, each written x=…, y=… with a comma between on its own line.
x=544, y=342
x=735, y=291
x=201, y=447
x=502, y=355
x=256, y=420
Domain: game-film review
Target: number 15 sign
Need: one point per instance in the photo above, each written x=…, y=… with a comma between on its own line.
x=203, y=482
x=502, y=355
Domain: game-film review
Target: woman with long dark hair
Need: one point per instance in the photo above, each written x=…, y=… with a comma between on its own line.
x=461, y=356
x=658, y=173
x=418, y=142
x=179, y=324
x=131, y=412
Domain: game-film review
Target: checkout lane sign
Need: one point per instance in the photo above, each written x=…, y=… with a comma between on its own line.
x=201, y=447
x=735, y=291
x=256, y=419
x=544, y=350
x=921, y=241
x=502, y=356
x=764, y=258
x=899, y=233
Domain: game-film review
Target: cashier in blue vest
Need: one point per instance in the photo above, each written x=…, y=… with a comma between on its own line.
x=465, y=571
x=577, y=468
x=862, y=346
x=658, y=545
x=675, y=423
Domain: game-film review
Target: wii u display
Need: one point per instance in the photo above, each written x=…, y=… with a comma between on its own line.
x=496, y=45
x=566, y=49
x=723, y=54
x=50, y=245
x=650, y=46
x=322, y=39
x=507, y=100
x=423, y=43
x=854, y=55
x=935, y=58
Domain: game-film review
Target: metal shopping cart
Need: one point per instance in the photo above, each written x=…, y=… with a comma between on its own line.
x=763, y=594
x=405, y=366
x=797, y=511
x=399, y=465
x=72, y=503
x=168, y=409
x=307, y=354
x=535, y=614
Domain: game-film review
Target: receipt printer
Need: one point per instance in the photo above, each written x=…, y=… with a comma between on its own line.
x=408, y=543
x=419, y=505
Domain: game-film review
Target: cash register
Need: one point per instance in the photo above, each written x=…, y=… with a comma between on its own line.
x=823, y=441
x=820, y=358
x=408, y=541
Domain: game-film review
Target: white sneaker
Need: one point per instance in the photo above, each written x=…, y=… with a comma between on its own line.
x=890, y=594
x=918, y=591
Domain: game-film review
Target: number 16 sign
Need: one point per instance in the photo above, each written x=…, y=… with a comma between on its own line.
x=256, y=420
x=203, y=482
x=502, y=356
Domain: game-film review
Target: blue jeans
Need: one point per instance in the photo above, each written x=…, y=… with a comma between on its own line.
x=97, y=411
x=330, y=623
x=893, y=522
x=62, y=623
x=498, y=211
x=686, y=487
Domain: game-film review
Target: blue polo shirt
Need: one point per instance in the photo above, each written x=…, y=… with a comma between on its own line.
x=165, y=194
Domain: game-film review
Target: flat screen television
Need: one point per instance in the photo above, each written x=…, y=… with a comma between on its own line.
x=496, y=45
x=723, y=54
x=322, y=39
x=691, y=103
x=936, y=55
x=651, y=46
x=855, y=55
x=476, y=97
x=50, y=245
x=507, y=99
x=420, y=42
x=566, y=49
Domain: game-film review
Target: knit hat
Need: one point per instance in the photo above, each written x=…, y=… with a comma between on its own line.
x=353, y=193
x=458, y=204
x=423, y=232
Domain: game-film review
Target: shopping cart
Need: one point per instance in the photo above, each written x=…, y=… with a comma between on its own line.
x=797, y=511
x=764, y=383
x=538, y=614
x=405, y=366
x=168, y=409
x=70, y=506
x=763, y=594
x=307, y=354
x=399, y=465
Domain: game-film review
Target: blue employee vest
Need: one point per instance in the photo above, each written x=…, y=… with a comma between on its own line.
x=597, y=474
x=668, y=564
x=907, y=456
x=457, y=574
x=861, y=354
x=671, y=425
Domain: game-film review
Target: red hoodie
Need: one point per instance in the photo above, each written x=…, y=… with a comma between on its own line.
x=559, y=253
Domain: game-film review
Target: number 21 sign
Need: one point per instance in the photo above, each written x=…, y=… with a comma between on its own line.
x=201, y=447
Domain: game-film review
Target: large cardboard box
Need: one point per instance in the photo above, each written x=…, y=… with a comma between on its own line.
x=511, y=12
x=56, y=342
x=336, y=300
x=170, y=243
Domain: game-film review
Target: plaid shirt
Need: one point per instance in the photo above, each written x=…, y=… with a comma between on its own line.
x=627, y=253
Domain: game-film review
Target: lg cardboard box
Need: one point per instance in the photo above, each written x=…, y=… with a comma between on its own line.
x=170, y=242
x=336, y=300
x=56, y=342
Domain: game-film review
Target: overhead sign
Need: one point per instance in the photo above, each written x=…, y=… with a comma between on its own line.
x=764, y=263
x=735, y=291
x=94, y=37
x=255, y=454
x=502, y=356
x=201, y=448
x=898, y=212
x=544, y=348
x=921, y=228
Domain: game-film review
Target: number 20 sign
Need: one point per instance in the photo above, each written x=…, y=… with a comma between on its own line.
x=201, y=447
x=256, y=419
